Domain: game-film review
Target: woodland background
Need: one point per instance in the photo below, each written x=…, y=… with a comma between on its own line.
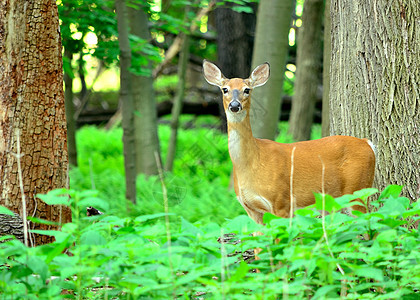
x=99, y=97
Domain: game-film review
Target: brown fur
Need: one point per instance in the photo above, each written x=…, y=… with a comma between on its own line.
x=262, y=168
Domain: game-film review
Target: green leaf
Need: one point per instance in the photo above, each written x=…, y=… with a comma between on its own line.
x=57, y=250
x=391, y=191
x=304, y=221
x=241, y=224
x=330, y=203
x=369, y=272
x=42, y=221
x=142, y=219
x=87, y=193
x=52, y=199
x=305, y=212
x=242, y=9
x=188, y=228
x=387, y=236
x=38, y=266
x=394, y=207
x=6, y=211
x=392, y=222
x=46, y=232
x=268, y=217
x=240, y=273
x=365, y=193
x=92, y=237
x=324, y=290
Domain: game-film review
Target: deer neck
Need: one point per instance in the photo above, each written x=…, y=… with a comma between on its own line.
x=242, y=144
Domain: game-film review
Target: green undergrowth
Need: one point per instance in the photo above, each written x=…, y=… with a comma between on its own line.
x=366, y=256
x=198, y=187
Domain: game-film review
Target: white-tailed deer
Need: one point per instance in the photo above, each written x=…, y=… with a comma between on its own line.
x=262, y=168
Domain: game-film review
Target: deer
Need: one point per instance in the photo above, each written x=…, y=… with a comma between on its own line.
x=279, y=178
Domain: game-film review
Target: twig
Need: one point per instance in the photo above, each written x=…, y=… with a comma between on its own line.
x=92, y=181
x=343, y=289
x=222, y=263
x=18, y=156
x=167, y=224
x=291, y=187
x=33, y=215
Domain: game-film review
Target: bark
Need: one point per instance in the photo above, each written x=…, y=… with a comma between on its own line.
x=71, y=122
x=12, y=226
x=271, y=45
x=235, y=41
x=178, y=102
x=326, y=70
x=32, y=103
x=127, y=103
x=145, y=119
x=374, y=84
x=308, y=64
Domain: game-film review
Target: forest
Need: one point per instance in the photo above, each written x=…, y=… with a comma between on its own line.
x=132, y=165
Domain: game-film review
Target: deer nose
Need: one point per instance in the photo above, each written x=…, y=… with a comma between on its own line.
x=235, y=106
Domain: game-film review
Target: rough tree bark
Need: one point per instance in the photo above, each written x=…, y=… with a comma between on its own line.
x=326, y=70
x=32, y=102
x=126, y=102
x=374, y=89
x=235, y=41
x=308, y=64
x=271, y=45
x=145, y=120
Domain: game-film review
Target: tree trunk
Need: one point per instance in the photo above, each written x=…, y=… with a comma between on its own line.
x=374, y=84
x=179, y=98
x=126, y=102
x=271, y=45
x=326, y=70
x=32, y=105
x=71, y=122
x=235, y=41
x=145, y=119
x=309, y=57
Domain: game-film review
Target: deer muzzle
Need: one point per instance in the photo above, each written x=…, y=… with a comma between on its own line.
x=234, y=105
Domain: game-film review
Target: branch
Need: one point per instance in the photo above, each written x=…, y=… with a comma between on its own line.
x=176, y=45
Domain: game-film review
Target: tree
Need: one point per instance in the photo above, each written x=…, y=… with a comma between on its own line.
x=71, y=122
x=235, y=40
x=326, y=70
x=271, y=45
x=32, y=110
x=145, y=119
x=179, y=96
x=127, y=103
x=374, y=90
x=308, y=65
x=78, y=19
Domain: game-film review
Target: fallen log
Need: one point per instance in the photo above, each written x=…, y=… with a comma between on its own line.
x=102, y=116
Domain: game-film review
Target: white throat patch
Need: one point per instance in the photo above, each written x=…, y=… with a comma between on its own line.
x=235, y=117
x=234, y=145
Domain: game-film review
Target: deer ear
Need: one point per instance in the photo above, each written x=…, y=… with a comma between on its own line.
x=260, y=75
x=212, y=74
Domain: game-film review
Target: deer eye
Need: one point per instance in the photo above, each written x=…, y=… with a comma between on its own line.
x=225, y=90
x=246, y=91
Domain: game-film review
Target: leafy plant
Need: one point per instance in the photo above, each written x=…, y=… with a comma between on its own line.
x=372, y=256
